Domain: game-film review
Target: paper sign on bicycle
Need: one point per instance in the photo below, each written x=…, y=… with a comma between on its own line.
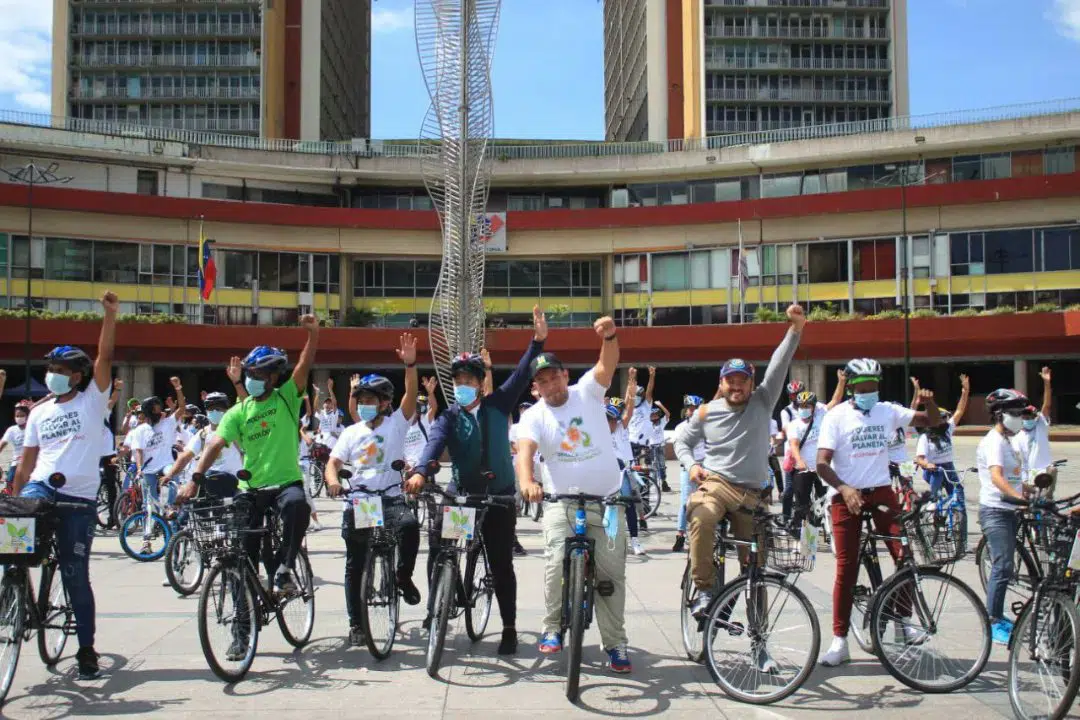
x=367, y=512
x=459, y=523
x=1074, y=556
x=808, y=541
x=17, y=535
x=907, y=469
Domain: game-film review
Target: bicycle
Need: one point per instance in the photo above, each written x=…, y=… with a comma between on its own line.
x=450, y=595
x=920, y=642
x=900, y=475
x=651, y=493
x=186, y=558
x=234, y=578
x=49, y=613
x=316, y=468
x=950, y=508
x=1044, y=649
x=130, y=500
x=162, y=527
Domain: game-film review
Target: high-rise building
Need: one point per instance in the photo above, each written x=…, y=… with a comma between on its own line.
x=689, y=68
x=277, y=68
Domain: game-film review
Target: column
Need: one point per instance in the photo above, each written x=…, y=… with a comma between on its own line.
x=1020, y=375
x=800, y=371
x=142, y=381
x=817, y=383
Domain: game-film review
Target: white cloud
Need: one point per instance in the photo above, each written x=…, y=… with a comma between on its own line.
x=1066, y=16
x=384, y=20
x=26, y=46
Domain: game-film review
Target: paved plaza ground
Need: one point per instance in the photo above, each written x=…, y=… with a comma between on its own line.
x=149, y=640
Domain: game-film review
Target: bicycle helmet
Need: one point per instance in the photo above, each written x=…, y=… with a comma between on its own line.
x=470, y=363
x=264, y=357
x=692, y=401
x=1005, y=399
x=616, y=401
x=24, y=405
x=200, y=421
x=613, y=412
x=806, y=397
x=794, y=388
x=70, y=357
x=377, y=385
x=863, y=368
x=192, y=410
x=216, y=399
x=148, y=405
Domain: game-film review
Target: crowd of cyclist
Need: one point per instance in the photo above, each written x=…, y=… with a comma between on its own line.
x=574, y=438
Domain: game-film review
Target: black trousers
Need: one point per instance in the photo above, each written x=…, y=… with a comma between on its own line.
x=395, y=514
x=498, y=531
x=290, y=502
x=803, y=483
x=110, y=478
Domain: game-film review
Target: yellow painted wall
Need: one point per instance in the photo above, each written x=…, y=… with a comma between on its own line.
x=496, y=305
x=692, y=80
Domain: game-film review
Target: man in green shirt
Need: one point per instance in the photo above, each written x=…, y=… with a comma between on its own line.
x=264, y=425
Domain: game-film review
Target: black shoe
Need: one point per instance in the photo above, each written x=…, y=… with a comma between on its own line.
x=664, y=486
x=508, y=644
x=356, y=636
x=237, y=650
x=680, y=543
x=409, y=592
x=426, y=625
x=519, y=550
x=642, y=524
x=284, y=582
x=87, y=660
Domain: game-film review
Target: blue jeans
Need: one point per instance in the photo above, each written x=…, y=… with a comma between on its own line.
x=999, y=529
x=74, y=536
x=659, y=461
x=936, y=478
x=152, y=499
x=684, y=495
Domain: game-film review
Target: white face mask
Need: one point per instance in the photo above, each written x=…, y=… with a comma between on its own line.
x=1013, y=423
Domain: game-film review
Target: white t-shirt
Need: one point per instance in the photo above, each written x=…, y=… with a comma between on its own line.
x=995, y=449
x=68, y=436
x=108, y=440
x=329, y=422
x=640, y=426
x=184, y=433
x=13, y=436
x=1034, y=446
x=657, y=437
x=371, y=452
x=132, y=422
x=156, y=442
x=774, y=430
x=699, y=449
x=621, y=442
x=933, y=453
x=898, y=446
x=229, y=460
x=860, y=441
x=416, y=439
x=574, y=440
x=798, y=427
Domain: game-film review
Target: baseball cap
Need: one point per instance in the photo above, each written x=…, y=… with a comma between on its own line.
x=543, y=361
x=737, y=365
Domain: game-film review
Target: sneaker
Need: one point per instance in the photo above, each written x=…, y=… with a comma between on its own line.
x=642, y=524
x=315, y=526
x=284, y=582
x=356, y=636
x=409, y=592
x=837, y=654
x=701, y=604
x=763, y=661
x=237, y=650
x=664, y=486
x=146, y=549
x=905, y=634
x=519, y=550
x=426, y=624
x=680, y=543
x=165, y=583
x=87, y=660
x=550, y=643
x=619, y=659
x=1001, y=631
x=635, y=547
x=509, y=642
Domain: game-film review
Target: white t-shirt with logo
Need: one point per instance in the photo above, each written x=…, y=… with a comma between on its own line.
x=860, y=441
x=371, y=452
x=230, y=460
x=13, y=436
x=936, y=452
x=574, y=439
x=68, y=438
x=657, y=437
x=640, y=427
x=797, y=428
x=329, y=422
x=621, y=442
x=898, y=446
x=1034, y=445
x=995, y=449
x=699, y=449
x=416, y=439
x=156, y=442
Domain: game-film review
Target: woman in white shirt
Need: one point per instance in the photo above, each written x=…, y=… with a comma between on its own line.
x=1033, y=442
x=934, y=451
x=1000, y=476
x=13, y=437
x=802, y=434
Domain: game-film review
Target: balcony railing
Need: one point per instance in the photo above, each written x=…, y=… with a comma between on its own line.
x=799, y=95
x=798, y=32
x=166, y=2
x=736, y=135
x=152, y=93
x=249, y=60
x=724, y=62
x=167, y=28
x=780, y=4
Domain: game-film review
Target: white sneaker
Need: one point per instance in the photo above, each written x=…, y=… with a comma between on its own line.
x=908, y=635
x=315, y=526
x=837, y=654
x=635, y=547
x=165, y=582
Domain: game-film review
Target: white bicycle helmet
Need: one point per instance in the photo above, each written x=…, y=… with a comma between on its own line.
x=863, y=368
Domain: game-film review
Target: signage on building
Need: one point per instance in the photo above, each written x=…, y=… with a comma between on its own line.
x=490, y=229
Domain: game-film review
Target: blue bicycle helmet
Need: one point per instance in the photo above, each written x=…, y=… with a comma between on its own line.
x=70, y=357
x=264, y=357
x=613, y=412
x=376, y=385
x=692, y=401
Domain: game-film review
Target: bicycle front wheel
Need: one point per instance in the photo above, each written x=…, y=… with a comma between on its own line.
x=868, y=580
x=184, y=564
x=479, y=589
x=316, y=481
x=12, y=619
x=444, y=603
x=1018, y=591
x=228, y=622
x=761, y=642
x=103, y=506
x=692, y=637
x=296, y=611
x=56, y=616
x=575, y=625
x=940, y=633
x=145, y=539
x=1044, y=659
x=651, y=497
x=379, y=599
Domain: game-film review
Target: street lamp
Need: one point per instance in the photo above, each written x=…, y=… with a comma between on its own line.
x=32, y=174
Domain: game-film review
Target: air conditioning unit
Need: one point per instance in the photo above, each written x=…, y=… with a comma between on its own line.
x=359, y=145
x=620, y=198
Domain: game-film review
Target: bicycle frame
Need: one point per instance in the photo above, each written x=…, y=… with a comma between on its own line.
x=868, y=550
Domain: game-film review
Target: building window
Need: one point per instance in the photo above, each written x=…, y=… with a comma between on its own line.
x=1060, y=249
x=147, y=182
x=874, y=259
x=496, y=278
x=326, y=271
x=1009, y=251
x=524, y=278
x=920, y=256
x=828, y=262
x=669, y=272
x=1060, y=160
x=68, y=259
x=27, y=258
x=400, y=278
x=239, y=269
x=116, y=262
x=554, y=278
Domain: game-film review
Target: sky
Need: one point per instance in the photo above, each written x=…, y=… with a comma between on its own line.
x=548, y=74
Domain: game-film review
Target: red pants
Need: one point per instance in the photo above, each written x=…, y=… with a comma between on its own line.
x=847, y=530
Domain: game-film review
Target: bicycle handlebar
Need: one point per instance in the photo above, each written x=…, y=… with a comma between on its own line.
x=469, y=498
x=1053, y=507
x=586, y=497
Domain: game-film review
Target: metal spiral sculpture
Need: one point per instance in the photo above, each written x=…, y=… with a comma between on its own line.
x=455, y=40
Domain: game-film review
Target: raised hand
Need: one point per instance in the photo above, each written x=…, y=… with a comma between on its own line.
x=796, y=317
x=354, y=381
x=927, y=397
x=633, y=375
x=117, y=384
x=235, y=369
x=915, y=383
x=407, y=352
x=309, y=323
x=486, y=357
x=1045, y=374
x=652, y=371
x=430, y=383
x=604, y=327
x=965, y=383
x=175, y=382
x=841, y=375
x=110, y=302
x=540, y=326
x=330, y=386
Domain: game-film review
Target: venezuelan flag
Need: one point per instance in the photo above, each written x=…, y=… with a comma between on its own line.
x=207, y=269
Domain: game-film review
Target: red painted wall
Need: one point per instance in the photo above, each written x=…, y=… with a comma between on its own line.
x=293, y=53
x=674, y=70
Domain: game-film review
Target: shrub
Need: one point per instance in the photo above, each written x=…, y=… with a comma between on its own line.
x=924, y=313
x=1043, y=307
x=1074, y=307
x=967, y=312
x=1000, y=310
x=358, y=317
x=768, y=315
x=823, y=313
x=888, y=315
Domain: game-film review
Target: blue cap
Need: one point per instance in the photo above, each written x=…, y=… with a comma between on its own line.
x=737, y=365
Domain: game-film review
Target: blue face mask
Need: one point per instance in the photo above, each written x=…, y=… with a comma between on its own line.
x=215, y=416
x=58, y=384
x=368, y=412
x=805, y=413
x=254, y=386
x=866, y=401
x=1029, y=425
x=465, y=394
x=611, y=521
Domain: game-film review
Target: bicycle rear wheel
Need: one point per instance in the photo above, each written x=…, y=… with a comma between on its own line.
x=12, y=619
x=296, y=611
x=575, y=625
x=134, y=538
x=692, y=634
x=56, y=616
x=184, y=564
x=479, y=589
x=1044, y=658
x=103, y=506
x=940, y=639
x=763, y=649
x=444, y=603
x=316, y=481
x=380, y=601
x=1018, y=591
x=228, y=622
x=650, y=498
x=862, y=595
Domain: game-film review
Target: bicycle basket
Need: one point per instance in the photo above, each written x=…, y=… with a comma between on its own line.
x=1064, y=536
x=216, y=528
x=26, y=524
x=937, y=538
x=786, y=554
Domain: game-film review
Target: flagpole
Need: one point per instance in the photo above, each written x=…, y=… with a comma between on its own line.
x=202, y=309
x=742, y=279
